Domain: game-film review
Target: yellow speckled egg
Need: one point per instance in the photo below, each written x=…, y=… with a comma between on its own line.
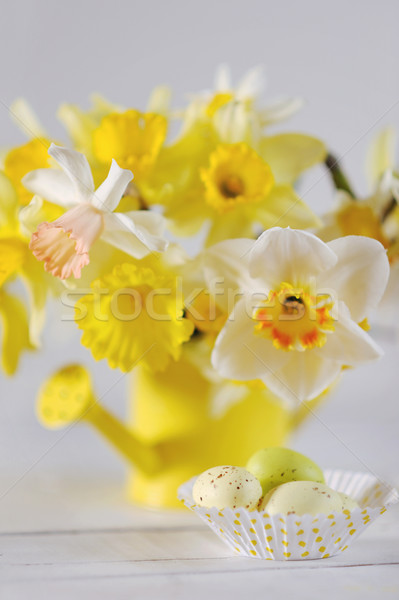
x=300, y=498
x=274, y=466
x=227, y=487
x=348, y=503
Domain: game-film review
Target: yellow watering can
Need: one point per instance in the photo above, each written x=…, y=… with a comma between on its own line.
x=173, y=435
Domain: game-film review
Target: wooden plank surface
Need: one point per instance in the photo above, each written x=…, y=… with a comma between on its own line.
x=172, y=554
x=68, y=531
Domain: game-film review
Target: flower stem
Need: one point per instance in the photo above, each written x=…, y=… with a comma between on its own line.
x=338, y=176
x=388, y=210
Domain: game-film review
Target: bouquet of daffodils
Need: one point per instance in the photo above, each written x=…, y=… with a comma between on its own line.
x=274, y=298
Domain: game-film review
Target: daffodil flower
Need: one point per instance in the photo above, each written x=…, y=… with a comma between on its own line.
x=21, y=328
x=233, y=108
x=33, y=154
x=223, y=171
x=237, y=188
x=142, y=316
x=298, y=322
x=64, y=244
x=133, y=138
x=375, y=216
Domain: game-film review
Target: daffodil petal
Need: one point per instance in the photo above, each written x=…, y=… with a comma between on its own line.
x=281, y=109
x=289, y=255
x=381, y=155
x=153, y=222
x=284, y=208
x=32, y=215
x=34, y=278
x=233, y=123
x=225, y=267
x=360, y=275
x=230, y=226
x=78, y=124
x=108, y=195
x=148, y=227
x=159, y=101
x=15, y=331
x=8, y=201
x=13, y=254
x=251, y=84
x=349, y=343
x=304, y=376
x=76, y=167
x=136, y=240
x=223, y=78
x=53, y=185
x=288, y=154
x=241, y=354
x=25, y=118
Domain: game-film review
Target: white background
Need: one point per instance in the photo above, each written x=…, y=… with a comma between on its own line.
x=340, y=56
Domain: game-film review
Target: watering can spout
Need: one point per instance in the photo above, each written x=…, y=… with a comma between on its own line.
x=68, y=397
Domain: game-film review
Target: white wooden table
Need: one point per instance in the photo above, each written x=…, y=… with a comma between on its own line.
x=85, y=542
x=67, y=530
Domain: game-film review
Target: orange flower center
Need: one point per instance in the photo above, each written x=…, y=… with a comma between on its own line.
x=295, y=318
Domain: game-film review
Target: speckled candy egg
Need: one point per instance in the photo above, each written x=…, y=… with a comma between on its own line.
x=274, y=466
x=300, y=498
x=227, y=487
x=348, y=503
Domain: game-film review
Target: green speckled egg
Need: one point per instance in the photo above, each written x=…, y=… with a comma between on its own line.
x=274, y=466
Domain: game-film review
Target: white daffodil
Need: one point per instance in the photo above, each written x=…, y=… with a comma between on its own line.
x=297, y=322
x=233, y=109
x=65, y=243
x=236, y=118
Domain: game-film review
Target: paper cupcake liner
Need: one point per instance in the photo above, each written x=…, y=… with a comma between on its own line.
x=291, y=537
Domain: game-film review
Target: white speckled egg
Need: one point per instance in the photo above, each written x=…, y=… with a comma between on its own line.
x=348, y=503
x=300, y=498
x=227, y=487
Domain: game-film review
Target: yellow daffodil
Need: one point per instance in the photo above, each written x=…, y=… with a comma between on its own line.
x=375, y=216
x=81, y=124
x=237, y=189
x=21, y=160
x=134, y=315
x=296, y=323
x=222, y=170
x=32, y=155
x=130, y=137
x=20, y=330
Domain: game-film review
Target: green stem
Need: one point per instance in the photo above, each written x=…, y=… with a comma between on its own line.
x=338, y=176
x=388, y=210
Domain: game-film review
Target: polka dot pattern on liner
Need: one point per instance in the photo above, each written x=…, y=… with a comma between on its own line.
x=292, y=537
